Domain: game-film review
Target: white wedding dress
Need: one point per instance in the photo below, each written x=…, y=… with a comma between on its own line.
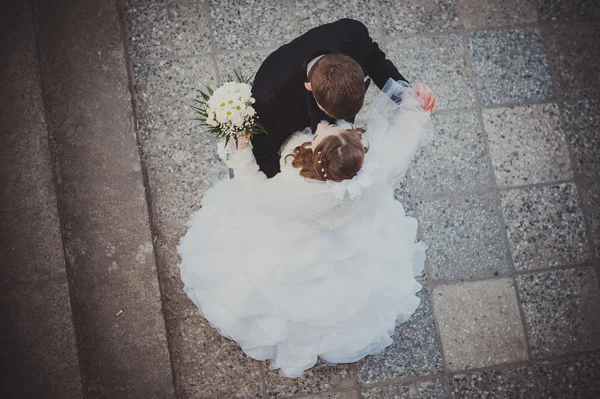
x=296, y=269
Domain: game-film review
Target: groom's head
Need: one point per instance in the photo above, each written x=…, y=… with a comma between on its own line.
x=337, y=83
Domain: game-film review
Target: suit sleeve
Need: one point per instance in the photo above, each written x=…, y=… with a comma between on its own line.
x=267, y=146
x=378, y=67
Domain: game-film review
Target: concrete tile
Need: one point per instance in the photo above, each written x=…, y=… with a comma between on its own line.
x=179, y=175
x=167, y=28
x=464, y=236
x=574, y=51
x=438, y=61
x=165, y=94
x=570, y=378
x=175, y=302
x=561, y=311
x=318, y=379
x=510, y=66
x=350, y=394
x=510, y=382
x=39, y=356
x=32, y=248
x=491, y=13
x=455, y=160
x=545, y=226
x=592, y=199
x=561, y=10
x=408, y=17
x=415, y=351
x=207, y=365
x=239, y=24
x=246, y=62
x=482, y=332
x=527, y=144
x=313, y=13
x=415, y=390
x=581, y=123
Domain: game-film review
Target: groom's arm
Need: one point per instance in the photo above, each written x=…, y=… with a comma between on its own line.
x=373, y=59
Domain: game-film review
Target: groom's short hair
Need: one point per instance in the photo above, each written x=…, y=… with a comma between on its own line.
x=338, y=85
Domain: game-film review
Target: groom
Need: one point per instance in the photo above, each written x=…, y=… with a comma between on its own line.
x=318, y=76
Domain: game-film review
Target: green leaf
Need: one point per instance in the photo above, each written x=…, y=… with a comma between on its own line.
x=210, y=91
x=204, y=95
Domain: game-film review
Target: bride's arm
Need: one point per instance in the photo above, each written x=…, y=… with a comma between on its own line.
x=242, y=162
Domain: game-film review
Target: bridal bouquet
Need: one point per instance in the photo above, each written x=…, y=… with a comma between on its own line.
x=228, y=110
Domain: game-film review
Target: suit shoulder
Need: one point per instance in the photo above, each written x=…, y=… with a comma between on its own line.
x=353, y=25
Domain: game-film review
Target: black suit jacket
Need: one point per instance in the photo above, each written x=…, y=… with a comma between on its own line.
x=283, y=104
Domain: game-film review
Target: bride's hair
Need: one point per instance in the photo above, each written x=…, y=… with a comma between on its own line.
x=337, y=157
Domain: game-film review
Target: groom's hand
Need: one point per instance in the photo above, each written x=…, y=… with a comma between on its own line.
x=427, y=96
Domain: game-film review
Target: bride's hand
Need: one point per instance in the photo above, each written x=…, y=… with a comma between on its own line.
x=243, y=141
x=427, y=96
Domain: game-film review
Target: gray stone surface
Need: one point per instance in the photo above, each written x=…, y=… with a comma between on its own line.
x=102, y=202
x=408, y=17
x=438, y=61
x=180, y=172
x=312, y=13
x=38, y=355
x=527, y=144
x=431, y=389
x=512, y=382
x=570, y=378
x=246, y=62
x=561, y=310
x=510, y=66
x=464, y=236
x=455, y=160
x=492, y=13
x=545, y=226
x=239, y=24
x=574, y=51
x=207, y=365
x=593, y=213
x=165, y=91
x=581, y=123
x=479, y=333
x=415, y=351
x=318, y=379
x=351, y=394
x=565, y=10
x=168, y=28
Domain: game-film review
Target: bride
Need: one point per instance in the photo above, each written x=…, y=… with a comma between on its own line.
x=319, y=261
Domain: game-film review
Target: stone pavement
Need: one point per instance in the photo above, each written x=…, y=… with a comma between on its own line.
x=507, y=195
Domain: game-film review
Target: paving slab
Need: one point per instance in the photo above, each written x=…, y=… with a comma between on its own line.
x=568, y=10
x=455, y=160
x=318, y=379
x=313, y=13
x=415, y=351
x=103, y=205
x=510, y=382
x=483, y=332
x=239, y=24
x=574, y=51
x=561, y=311
x=207, y=365
x=438, y=61
x=410, y=17
x=527, y=144
x=492, y=13
x=510, y=65
x=592, y=200
x=432, y=389
x=545, y=226
x=570, y=378
x=465, y=238
x=168, y=28
x=581, y=124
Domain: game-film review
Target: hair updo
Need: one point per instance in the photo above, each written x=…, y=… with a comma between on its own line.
x=337, y=157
